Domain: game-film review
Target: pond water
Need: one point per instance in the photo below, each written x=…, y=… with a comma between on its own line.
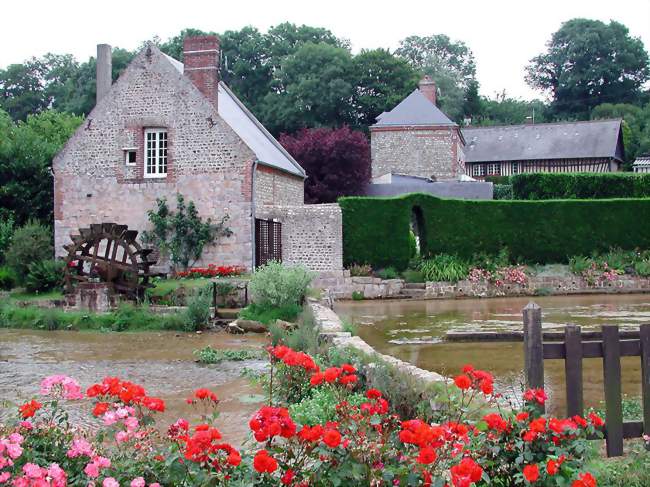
x=414, y=331
x=161, y=362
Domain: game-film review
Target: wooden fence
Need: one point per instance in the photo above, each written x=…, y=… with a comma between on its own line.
x=607, y=345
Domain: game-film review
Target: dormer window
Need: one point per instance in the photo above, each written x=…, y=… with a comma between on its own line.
x=155, y=146
x=130, y=156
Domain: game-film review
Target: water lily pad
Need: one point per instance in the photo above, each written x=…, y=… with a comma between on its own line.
x=251, y=398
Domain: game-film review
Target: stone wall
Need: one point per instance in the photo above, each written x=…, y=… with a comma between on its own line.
x=274, y=187
x=536, y=286
x=312, y=235
x=207, y=162
x=331, y=330
x=341, y=285
x=423, y=152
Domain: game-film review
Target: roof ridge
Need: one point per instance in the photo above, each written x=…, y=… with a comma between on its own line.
x=574, y=122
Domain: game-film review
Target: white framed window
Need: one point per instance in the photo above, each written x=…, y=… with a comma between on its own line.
x=515, y=168
x=478, y=169
x=155, y=153
x=130, y=156
x=494, y=169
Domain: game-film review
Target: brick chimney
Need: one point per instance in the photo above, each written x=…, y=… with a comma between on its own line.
x=104, y=71
x=201, y=58
x=428, y=89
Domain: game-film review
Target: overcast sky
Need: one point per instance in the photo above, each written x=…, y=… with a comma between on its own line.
x=503, y=34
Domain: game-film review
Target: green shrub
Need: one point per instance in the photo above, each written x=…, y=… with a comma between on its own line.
x=388, y=273
x=503, y=192
x=411, y=276
x=29, y=244
x=209, y=355
x=540, y=186
x=491, y=262
x=269, y=314
x=498, y=179
x=44, y=276
x=6, y=233
x=7, y=278
x=277, y=285
x=413, y=245
x=376, y=230
x=197, y=313
x=579, y=264
x=444, y=267
x=320, y=407
x=358, y=296
x=642, y=268
x=360, y=270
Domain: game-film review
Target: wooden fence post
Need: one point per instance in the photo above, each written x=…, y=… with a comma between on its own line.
x=573, y=370
x=644, y=335
x=533, y=346
x=612, y=379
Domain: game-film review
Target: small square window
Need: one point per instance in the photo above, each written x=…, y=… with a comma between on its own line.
x=130, y=157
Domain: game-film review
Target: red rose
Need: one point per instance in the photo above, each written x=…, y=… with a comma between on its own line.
x=28, y=409
x=332, y=438
x=263, y=462
x=531, y=472
x=463, y=382
x=100, y=408
x=427, y=455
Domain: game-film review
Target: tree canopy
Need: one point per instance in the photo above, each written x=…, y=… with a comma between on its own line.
x=587, y=63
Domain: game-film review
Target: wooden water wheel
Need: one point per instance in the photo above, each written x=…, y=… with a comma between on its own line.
x=108, y=252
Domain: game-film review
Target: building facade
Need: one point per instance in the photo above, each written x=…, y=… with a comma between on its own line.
x=165, y=128
x=593, y=146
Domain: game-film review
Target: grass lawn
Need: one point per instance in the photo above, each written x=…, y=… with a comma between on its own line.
x=163, y=287
x=21, y=295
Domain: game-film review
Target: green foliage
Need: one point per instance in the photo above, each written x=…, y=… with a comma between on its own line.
x=375, y=230
x=7, y=278
x=631, y=470
x=265, y=313
x=444, y=267
x=209, y=355
x=503, y=192
x=388, y=273
x=358, y=296
x=6, y=233
x=44, y=275
x=320, y=406
x=566, y=69
x=542, y=186
x=278, y=285
x=303, y=337
x=197, y=313
x=360, y=270
x=182, y=235
x=31, y=243
x=413, y=276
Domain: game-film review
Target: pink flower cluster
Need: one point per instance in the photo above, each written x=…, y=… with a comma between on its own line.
x=10, y=449
x=515, y=275
x=36, y=476
x=61, y=386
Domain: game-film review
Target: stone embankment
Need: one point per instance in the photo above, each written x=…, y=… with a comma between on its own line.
x=341, y=285
x=332, y=331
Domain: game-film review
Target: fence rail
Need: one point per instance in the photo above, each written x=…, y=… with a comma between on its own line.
x=608, y=345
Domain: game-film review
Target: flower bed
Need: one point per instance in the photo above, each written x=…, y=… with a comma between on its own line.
x=212, y=270
x=365, y=444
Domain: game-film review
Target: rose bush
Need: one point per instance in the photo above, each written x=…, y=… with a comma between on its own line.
x=365, y=444
x=212, y=270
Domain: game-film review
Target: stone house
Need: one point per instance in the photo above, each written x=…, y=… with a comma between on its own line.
x=164, y=128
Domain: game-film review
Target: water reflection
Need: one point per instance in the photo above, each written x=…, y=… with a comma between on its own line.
x=414, y=331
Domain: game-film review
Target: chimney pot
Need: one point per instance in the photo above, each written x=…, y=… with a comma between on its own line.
x=201, y=64
x=104, y=70
x=428, y=89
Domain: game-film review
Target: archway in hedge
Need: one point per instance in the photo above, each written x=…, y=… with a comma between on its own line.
x=417, y=232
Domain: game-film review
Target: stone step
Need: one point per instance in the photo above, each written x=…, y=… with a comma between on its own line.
x=228, y=313
x=415, y=285
x=412, y=293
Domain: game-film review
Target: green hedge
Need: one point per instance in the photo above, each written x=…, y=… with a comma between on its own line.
x=376, y=230
x=544, y=186
x=503, y=192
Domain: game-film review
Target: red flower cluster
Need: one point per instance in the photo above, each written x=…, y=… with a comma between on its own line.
x=212, y=271
x=264, y=463
x=204, y=446
x=475, y=379
x=292, y=358
x=466, y=473
x=28, y=409
x=376, y=405
x=126, y=392
x=269, y=422
x=344, y=375
x=535, y=395
x=202, y=394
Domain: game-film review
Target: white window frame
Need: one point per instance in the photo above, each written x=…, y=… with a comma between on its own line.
x=127, y=150
x=493, y=169
x=156, y=154
x=478, y=170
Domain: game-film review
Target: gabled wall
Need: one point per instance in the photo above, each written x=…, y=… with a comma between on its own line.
x=207, y=162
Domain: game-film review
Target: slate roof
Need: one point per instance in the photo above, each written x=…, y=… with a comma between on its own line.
x=413, y=110
x=267, y=149
x=564, y=140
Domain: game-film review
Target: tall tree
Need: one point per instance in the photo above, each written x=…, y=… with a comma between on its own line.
x=504, y=110
x=337, y=161
x=314, y=88
x=473, y=104
x=588, y=62
x=382, y=81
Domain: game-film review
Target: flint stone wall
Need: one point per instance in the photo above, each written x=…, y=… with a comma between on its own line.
x=341, y=285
